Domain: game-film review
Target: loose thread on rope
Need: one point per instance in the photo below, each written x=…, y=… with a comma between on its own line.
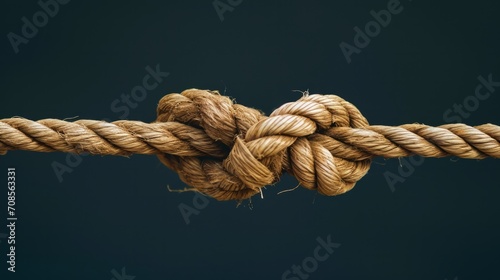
x=230, y=152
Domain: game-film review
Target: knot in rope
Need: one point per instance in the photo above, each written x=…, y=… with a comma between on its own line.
x=248, y=150
x=230, y=152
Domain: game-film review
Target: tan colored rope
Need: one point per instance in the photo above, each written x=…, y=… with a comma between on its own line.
x=229, y=151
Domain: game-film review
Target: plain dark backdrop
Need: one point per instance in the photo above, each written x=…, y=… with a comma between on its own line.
x=111, y=213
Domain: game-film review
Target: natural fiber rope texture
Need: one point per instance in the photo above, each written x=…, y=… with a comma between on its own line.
x=229, y=151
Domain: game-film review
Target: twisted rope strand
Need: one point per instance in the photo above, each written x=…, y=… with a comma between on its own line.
x=102, y=138
x=125, y=138
x=229, y=151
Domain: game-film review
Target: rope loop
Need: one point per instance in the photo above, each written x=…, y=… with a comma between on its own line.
x=294, y=138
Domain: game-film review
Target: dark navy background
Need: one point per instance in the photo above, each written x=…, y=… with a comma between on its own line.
x=111, y=213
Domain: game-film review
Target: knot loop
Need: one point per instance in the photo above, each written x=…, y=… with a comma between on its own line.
x=249, y=150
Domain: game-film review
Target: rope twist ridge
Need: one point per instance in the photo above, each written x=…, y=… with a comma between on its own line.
x=230, y=152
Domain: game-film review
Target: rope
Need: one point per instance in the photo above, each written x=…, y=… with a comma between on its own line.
x=229, y=151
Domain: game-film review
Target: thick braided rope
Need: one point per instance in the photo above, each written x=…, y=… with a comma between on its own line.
x=229, y=151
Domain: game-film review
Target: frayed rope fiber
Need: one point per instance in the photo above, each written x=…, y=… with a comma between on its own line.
x=229, y=152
